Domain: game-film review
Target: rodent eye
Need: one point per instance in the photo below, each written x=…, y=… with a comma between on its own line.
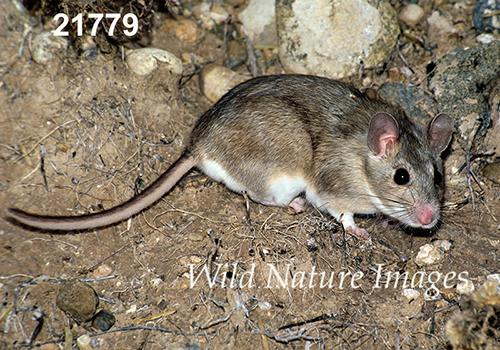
x=402, y=177
x=438, y=177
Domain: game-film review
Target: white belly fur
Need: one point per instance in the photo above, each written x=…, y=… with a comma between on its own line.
x=280, y=191
x=216, y=172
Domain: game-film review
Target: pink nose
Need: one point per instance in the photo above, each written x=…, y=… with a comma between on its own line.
x=425, y=214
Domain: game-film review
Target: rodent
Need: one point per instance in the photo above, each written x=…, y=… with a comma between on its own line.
x=290, y=139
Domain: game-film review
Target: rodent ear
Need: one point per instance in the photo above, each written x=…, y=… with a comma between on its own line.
x=439, y=132
x=383, y=134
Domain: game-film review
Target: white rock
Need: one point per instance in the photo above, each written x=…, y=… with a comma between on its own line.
x=485, y=38
x=411, y=14
x=185, y=29
x=265, y=305
x=442, y=244
x=146, y=60
x=132, y=309
x=465, y=287
x=218, y=14
x=259, y=20
x=494, y=278
x=411, y=293
x=45, y=47
x=216, y=80
x=428, y=255
x=103, y=271
x=210, y=15
x=440, y=27
x=201, y=11
x=438, y=22
x=156, y=282
x=333, y=37
x=83, y=342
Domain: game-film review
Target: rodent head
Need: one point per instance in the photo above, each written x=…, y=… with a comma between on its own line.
x=405, y=171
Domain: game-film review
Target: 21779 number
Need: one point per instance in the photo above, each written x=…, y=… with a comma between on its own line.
x=129, y=21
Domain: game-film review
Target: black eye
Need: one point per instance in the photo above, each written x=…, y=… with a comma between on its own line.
x=401, y=177
x=438, y=177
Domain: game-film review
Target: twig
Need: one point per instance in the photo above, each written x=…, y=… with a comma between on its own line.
x=43, y=138
x=474, y=157
x=42, y=168
x=97, y=279
x=401, y=256
x=251, y=55
x=265, y=342
x=214, y=322
x=286, y=339
x=188, y=213
x=323, y=317
x=220, y=304
x=435, y=311
x=404, y=60
x=92, y=268
x=150, y=328
x=30, y=173
x=39, y=317
x=472, y=135
x=154, y=317
x=153, y=227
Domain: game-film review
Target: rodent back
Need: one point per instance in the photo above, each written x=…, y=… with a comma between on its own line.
x=272, y=104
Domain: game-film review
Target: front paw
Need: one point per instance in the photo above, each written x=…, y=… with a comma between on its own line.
x=359, y=232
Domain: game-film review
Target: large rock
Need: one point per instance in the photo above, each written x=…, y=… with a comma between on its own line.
x=333, y=37
x=259, y=20
x=460, y=82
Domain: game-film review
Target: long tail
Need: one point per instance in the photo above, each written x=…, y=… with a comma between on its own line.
x=123, y=211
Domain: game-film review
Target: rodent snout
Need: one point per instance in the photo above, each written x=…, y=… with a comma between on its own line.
x=425, y=213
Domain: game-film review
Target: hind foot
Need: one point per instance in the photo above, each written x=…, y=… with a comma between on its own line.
x=349, y=224
x=297, y=204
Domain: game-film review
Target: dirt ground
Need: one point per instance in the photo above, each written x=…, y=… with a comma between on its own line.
x=80, y=135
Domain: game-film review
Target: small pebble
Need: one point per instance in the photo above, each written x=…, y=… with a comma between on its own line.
x=264, y=305
x=155, y=282
x=485, y=38
x=46, y=47
x=83, y=342
x=495, y=277
x=216, y=80
x=218, y=14
x=268, y=54
x=184, y=346
x=184, y=261
x=442, y=244
x=196, y=236
x=492, y=172
x=465, y=287
x=185, y=29
x=79, y=300
x=428, y=255
x=440, y=26
x=202, y=10
x=486, y=15
x=162, y=305
x=210, y=15
x=441, y=304
x=104, y=320
x=411, y=14
x=411, y=293
x=103, y=271
x=236, y=54
x=194, y=259
x=145, y=61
